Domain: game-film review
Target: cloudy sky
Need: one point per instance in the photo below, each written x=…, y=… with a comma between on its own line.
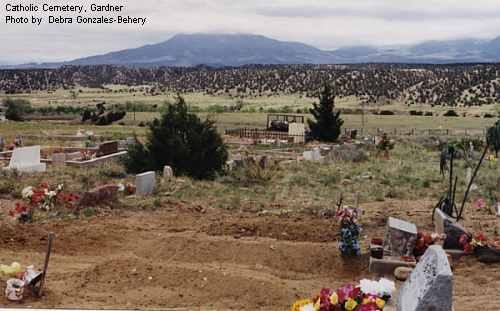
x=327, y=24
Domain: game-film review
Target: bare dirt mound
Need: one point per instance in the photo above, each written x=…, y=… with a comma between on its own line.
x=213, y=260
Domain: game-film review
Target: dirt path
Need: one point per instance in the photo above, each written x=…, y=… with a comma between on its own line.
x=211, y=260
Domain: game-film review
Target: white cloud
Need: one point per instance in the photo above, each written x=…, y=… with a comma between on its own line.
x=327, y=24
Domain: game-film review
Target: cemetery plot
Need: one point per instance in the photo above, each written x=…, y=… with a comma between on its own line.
x=265, y=226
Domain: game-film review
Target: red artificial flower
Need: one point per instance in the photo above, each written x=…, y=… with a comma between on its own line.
x=21, y=208
x=464, y=239
x=44, y=185
x=481, y=237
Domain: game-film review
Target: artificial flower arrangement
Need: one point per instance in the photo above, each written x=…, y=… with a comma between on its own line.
x=44, y=198
x=424, y=240
x=127, y=189
x=367, y=296
x=469, y=242
x=350, y=230
x=88, y=155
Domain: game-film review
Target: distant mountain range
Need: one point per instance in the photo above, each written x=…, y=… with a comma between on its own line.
x=243, y=49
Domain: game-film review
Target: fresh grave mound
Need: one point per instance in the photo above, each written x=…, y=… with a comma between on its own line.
x=93, y=262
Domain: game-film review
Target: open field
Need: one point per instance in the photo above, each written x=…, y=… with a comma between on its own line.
x=116, y=94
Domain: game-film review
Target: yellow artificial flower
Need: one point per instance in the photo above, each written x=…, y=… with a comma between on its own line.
x=380, y=303
x=350, y=304
x=300, y=303
x=366, y=301
x=317, y=305
x=334, y=299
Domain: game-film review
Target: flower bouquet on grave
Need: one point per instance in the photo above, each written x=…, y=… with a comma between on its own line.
x=367, y=296
x=350, y=230
x=487, y=251
x=43, y=198
x=88, y=155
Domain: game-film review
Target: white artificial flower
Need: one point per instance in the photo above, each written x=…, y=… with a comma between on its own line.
x=308, y=307
x=27, y=192
x=386, y=287
x=369, y=287
x=52, y=194
x=60, y=187
x=121, y=187
x=380, y=288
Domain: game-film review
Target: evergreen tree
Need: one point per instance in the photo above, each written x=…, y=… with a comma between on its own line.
x=328, y=123
x=180, y=139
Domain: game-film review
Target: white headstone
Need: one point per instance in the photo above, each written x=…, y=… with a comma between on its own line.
x=168, y=173
x=430, y=285
x=26, y=160
x=297, y=131
x=145, y=183
x=58, y=159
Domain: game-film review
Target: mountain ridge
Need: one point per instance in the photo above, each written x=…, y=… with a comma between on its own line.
x=218, y=50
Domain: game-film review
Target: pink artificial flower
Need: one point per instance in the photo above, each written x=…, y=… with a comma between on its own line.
x=368, y=307
x=480, y=203
x=345, y=293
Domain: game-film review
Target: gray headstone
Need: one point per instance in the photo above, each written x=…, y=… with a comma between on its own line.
x=316, y=154
x=400, y=237
x=168, y=173
x=430, y=285
x=58, y=159
x=145, y=183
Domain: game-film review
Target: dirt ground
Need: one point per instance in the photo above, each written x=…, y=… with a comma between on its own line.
x=178, y=257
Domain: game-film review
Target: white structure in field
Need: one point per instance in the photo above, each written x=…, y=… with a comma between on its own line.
x=297, y=131
x=26, y=160
x=168, y=173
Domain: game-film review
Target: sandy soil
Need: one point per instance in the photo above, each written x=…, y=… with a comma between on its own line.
x=212, y=260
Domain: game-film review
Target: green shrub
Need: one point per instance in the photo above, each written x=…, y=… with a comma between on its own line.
x=181, y=140
x=16, y=109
